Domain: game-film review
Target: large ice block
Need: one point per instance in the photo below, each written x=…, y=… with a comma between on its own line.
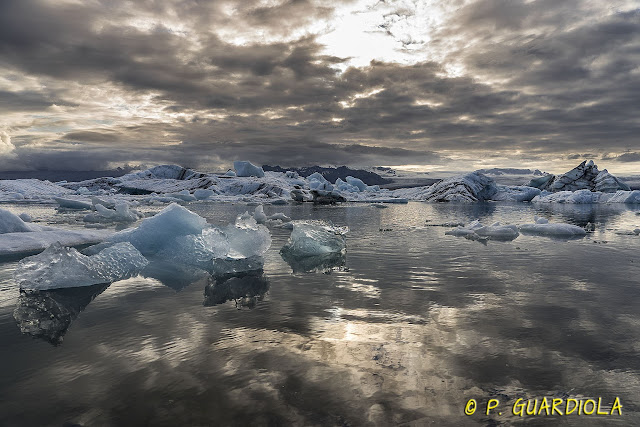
x=310, y=238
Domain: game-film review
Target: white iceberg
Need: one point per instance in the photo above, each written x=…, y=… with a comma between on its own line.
x=25, y=217
x=279, y=216
x=544, y=228
x=197, y=249
x=573, y=197
x=311, y=238
x=62, y=267
x=11, y=223
x=244, y=168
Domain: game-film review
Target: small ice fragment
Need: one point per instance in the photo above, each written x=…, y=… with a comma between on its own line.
x=259, y=215
x=203, y=193
x=279, y=216
x=545, y=228
x=25, y=217
x=72, y=204
x=309, y=238
x=62, y=267
x=247, y=238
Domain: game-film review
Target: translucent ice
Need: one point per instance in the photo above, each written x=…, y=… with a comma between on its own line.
x=477, y=231
x=154, y=233
x=247, y=238
x=62, y=267
x=121, y=213
x=197, y=249
x=310, y=238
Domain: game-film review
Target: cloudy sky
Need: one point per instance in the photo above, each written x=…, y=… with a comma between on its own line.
x=433, y=85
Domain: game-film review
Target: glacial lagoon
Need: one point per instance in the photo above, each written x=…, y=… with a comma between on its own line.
x=404, y=330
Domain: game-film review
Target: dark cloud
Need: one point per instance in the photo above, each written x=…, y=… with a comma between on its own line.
x=541, y=80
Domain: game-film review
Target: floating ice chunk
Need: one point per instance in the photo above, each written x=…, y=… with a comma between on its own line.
x=621, y=197
x=279, y=216
x=25, y=217
x=83, y=191
x=343, y=186
x=574, y=197
x=183, y=195
x=516, y=193
x=541, y=220
x=356, y=183
x=62, y=267
x=106, y=203
x=471, y=187
x=154, y=233
x=476, y=231
x=309, y=238
x=203, y=193
x=498, y=232
x=11, y=223
x=72, y=204
x=197, y=249
x=121, y=213
x=244, y=168
x=259, y=215
x=544, y=228
x=247, y=238
x=230, y=172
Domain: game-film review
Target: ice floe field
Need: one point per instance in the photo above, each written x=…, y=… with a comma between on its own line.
x=276, y=299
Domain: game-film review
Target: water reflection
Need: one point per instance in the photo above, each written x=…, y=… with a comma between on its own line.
x=246, y=289
x=48, y=314
x=325, y=263
x=174, y=275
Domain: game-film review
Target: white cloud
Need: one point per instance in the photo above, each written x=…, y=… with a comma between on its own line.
x=5, y=143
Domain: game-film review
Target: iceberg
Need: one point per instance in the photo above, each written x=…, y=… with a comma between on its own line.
x=247, y=238
x=11, y=223
x=477, y=231
x=585, y=176
x=312, y=238
x=544, y=228
x=361, y=186
x=73, y=204
x=244, y=168
x=575, y=197
x=121, y=213
x=471, y=187
x=519, y=193
x=197, y=249
x=25, y=217
x=279, y=216
x=259, y=215
x=62, y=267
x=154, y=233
x=203, y=193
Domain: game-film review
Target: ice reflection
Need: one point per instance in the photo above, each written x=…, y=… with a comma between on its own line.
x=246, y=289
x=325, y=263
x=48, y=314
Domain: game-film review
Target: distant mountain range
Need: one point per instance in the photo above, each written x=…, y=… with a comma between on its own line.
x=332, y=174
x=510, y=171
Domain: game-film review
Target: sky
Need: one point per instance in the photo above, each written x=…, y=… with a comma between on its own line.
x=412, y=84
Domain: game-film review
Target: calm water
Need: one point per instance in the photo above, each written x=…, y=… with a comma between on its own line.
x=406, y=330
